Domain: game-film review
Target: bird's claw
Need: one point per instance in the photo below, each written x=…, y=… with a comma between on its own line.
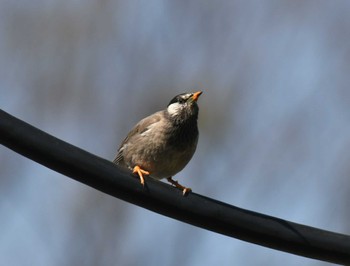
x=185, y=190
x=140, y=172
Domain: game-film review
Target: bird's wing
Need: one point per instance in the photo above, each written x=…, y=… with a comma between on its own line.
x=136, y=131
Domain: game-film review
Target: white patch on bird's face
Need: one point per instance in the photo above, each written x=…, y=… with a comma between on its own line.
x=174, y=109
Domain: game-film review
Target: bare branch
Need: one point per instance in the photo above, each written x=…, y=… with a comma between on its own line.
x=159, y=197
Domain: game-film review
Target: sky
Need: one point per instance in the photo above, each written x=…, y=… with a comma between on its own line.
x=273, y=121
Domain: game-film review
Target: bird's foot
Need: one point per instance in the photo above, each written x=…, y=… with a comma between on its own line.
x=185, y=190
x=140, y=172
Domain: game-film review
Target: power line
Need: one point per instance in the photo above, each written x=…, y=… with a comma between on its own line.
x=159, y=197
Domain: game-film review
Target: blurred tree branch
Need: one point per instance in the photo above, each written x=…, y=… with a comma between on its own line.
x=159, y=197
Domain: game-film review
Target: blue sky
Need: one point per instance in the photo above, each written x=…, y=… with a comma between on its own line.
x=274, y=121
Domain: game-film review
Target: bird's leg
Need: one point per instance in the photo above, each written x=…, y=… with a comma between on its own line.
x=185, y=190
x=140, y=172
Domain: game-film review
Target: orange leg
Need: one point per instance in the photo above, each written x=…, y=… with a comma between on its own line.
x=185, y=190
x=140, y=172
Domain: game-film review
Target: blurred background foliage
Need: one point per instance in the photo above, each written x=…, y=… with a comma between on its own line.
x=274, y=121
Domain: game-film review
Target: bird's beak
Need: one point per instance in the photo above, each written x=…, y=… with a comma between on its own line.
x=196, y=95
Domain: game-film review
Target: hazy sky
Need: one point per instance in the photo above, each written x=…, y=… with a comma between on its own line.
x=274, y=121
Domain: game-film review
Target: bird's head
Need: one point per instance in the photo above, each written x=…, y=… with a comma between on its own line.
x=184, y=106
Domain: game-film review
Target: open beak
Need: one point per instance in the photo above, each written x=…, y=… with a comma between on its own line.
x=196, y=95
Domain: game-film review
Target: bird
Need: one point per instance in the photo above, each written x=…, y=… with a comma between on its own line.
x=162, y=144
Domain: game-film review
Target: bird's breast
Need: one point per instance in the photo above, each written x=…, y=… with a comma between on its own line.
x=163, y=151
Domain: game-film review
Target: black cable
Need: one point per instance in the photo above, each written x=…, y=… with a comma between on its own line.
x=159, y=197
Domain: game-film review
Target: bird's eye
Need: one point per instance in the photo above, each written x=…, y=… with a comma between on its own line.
x=182, y=100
